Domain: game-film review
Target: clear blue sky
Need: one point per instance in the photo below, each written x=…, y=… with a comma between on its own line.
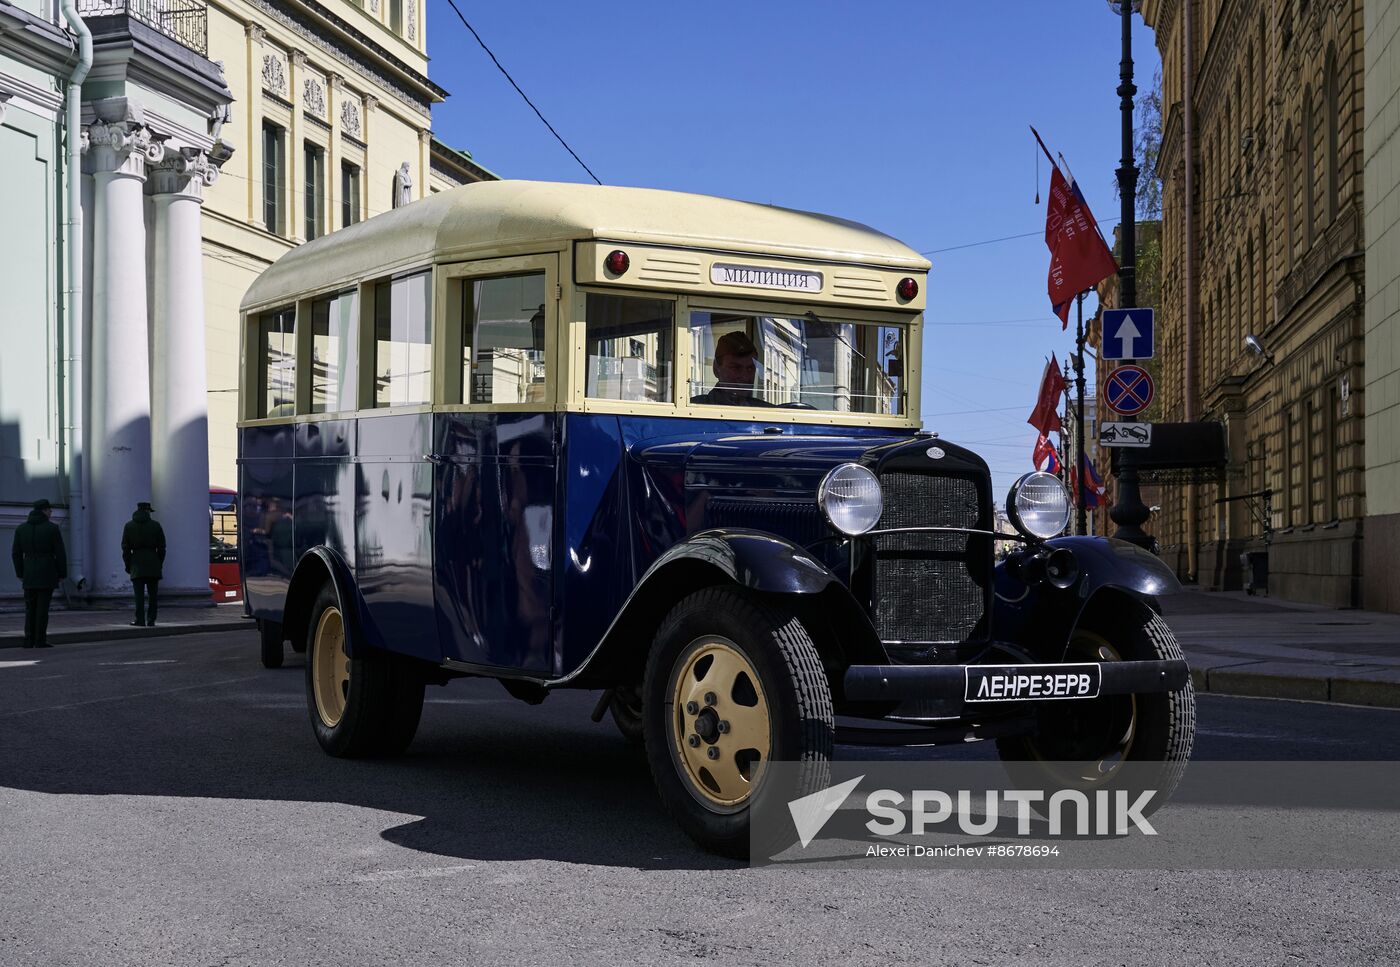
x=908, y=116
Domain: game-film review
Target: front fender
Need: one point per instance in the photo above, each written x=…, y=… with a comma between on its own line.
x=751, y=559
x=1040, y=619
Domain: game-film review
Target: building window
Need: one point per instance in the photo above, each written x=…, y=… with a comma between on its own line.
x=1309, y=169
x=334, y=357
x=1333, y=148
x=403, y=314
x=274, y=178
x=349, y=194
x=1290, y=158
x=315, y=190
x=396, y=16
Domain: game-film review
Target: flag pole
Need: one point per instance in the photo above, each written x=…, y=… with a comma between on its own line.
x=1079, y=419
x=1064, y=437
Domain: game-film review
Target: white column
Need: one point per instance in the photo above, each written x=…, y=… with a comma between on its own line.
x=179, y=398
x=119, y=426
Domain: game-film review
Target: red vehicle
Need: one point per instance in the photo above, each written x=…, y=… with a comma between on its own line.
x=225, y=581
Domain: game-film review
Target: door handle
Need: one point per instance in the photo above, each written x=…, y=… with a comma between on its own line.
x=434, y=457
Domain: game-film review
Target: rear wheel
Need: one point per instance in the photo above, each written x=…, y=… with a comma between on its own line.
x=362, y=706
x=626, y=709
x=1132, y=742
x=270, y=636
x=732, y=683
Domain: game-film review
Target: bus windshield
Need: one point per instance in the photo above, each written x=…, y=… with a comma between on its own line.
x=804, y=362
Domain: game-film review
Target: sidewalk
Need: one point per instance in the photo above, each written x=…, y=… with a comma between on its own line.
x=67, y=627
x=1236, y=644
x=1241, y=645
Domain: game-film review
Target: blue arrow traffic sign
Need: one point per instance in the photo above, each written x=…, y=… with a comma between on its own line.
x=1128, y=390
x=1128, y=333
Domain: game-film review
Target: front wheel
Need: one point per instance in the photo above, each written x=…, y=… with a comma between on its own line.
x=733, y=682
x=363, y=706
x=1133, y=742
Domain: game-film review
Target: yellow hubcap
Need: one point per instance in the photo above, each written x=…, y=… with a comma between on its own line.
x=330, y=667
x=721, y=731
x=1088, y=646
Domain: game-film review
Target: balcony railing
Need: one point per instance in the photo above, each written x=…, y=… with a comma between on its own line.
x=183, y=21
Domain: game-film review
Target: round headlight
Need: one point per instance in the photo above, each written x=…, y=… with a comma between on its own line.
x=850, y=498
x=1038, y=505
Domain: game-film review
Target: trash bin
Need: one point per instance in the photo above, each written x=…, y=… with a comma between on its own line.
x=1258, y=573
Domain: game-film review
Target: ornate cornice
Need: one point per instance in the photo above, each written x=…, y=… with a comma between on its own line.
x=1340, y=241
x=418, y=94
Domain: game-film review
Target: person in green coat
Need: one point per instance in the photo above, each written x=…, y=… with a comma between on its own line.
x=40, y=562
x=143, y=553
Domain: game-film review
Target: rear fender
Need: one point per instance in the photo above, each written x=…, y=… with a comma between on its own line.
x=1040, y=619
x=318, y=566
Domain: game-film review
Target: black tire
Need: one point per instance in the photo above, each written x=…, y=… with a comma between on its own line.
x=1160, y=727
x=626, y=710
x=791, y=695
x=270, y=636
x=381, y=695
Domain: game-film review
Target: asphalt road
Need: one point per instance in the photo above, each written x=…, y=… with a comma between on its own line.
x=162, y=801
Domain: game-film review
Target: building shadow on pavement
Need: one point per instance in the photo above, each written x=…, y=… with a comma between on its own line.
x=487, y=777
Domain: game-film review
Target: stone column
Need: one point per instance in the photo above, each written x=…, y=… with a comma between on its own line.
x=119, y=427
x=179, y=399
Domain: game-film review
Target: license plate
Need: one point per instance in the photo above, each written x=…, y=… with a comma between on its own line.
x=1027, y=683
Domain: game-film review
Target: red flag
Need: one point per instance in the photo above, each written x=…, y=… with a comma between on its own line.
x=1046, y=415
x=1079, y=259
x=1045, y=453
x=1093, y=490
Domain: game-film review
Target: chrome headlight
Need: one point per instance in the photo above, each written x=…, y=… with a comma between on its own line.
x=850, y=498
x=1038, y=505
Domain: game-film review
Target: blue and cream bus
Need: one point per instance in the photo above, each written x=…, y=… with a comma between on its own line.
x=666, y=447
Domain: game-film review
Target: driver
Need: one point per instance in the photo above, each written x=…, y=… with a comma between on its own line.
x=736, y=363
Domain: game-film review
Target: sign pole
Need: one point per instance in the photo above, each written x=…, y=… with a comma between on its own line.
x=1129, y=513
x=1078, y=477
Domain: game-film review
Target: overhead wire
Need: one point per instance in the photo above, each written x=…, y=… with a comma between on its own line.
x=558, y=137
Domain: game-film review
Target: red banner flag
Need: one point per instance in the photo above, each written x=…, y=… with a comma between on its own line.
x=1079, y=259
x=1046, y=415
x=1044, y=453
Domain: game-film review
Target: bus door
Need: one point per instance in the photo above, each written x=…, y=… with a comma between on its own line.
x=497, y=462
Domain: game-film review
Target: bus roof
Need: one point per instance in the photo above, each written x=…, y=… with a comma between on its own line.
x=477, y=218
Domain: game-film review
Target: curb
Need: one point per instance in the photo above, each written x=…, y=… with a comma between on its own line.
x=1303, y=688
x=122, y=634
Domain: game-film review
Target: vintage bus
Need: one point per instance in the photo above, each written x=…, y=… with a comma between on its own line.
x=667, y=447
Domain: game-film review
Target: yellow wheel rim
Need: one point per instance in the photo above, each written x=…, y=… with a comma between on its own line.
x=330, y=667
x=1088, y=646
x=720, y=725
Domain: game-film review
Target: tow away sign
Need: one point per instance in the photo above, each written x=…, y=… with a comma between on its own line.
x=1125, y=434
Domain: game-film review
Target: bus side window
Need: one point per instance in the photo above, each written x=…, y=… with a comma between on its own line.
x=503, y=339
x=628, y=348
x=277, y=363
x=334, y=323
x=403, y=373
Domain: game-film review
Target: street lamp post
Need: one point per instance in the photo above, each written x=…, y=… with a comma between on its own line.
x=1129, y=513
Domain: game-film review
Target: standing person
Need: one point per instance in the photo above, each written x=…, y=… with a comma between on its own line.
x=143, y=553
x=40, y=562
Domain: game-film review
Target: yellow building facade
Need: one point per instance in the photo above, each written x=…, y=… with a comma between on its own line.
x=331, y=124
x=1269, y=242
